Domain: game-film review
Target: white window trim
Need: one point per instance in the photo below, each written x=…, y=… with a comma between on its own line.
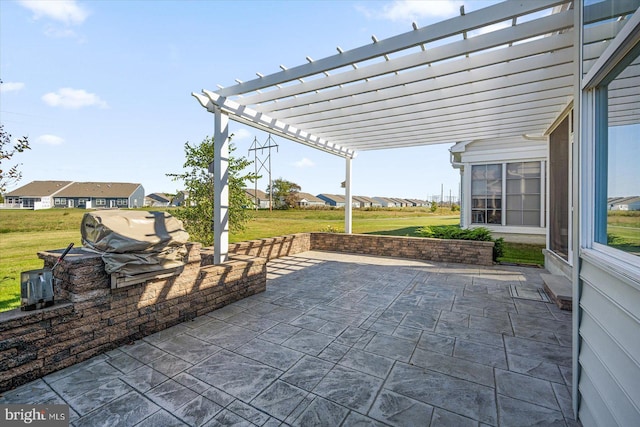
x=625, y=263
x=503, y=227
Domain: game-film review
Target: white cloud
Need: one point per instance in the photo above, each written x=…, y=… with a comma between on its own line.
x=411, y=10
x=304, y=163
x=49, y=140
x=68, y=12
x=73, y=98
x=11, y=86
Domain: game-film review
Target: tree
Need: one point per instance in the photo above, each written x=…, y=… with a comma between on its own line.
x=7, y=151
x=285, y=193
x=197, y=211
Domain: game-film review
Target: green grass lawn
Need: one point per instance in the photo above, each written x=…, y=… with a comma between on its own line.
x=623, y=230
x=24, y=233
x=522, y=253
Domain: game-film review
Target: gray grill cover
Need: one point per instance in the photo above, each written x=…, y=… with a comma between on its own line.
x=133, y=242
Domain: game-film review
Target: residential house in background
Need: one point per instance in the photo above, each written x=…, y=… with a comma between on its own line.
x=158, y=200
x=306, y=200
x=334, y=200
x=385, y=202
x=69, y=194
x=365, y=202
x=624, y=203
x=259, y=198
x=34, y=195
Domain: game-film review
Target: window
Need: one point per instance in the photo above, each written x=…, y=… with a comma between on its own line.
x=101, y=202
x=523, y=193
x=61, y=201
x=486, y=194
x=617, y=106
x=122, y=202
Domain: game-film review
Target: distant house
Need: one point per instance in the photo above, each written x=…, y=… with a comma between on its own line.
x=309, y=200
x=385, y=202
x=259, y=198
x=624, y=203
x=157, y=200
x=334, y=200
x=365, y=202
x=417, y=202
x=35, y=195
x=360, y=202
x=69, y=194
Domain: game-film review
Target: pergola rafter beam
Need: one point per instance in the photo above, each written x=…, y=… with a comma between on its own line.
x=453, y=119
x=254, y=118
x=478, y=80
x=432, y=56
x=441, y=30
x=373, y=114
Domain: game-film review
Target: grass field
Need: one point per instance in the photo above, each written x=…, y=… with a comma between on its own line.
x=24, y=233
x=623, y=230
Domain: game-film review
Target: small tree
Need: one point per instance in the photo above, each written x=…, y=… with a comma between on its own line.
x=7, y=151
x=284, y=193
x=197, y=211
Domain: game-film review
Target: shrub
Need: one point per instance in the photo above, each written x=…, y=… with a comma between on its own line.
x=455, y=232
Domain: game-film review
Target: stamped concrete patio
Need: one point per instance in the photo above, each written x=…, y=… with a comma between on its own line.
x=341, y=340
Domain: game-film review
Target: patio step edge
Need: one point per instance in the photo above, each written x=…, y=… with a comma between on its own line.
x=559, y=289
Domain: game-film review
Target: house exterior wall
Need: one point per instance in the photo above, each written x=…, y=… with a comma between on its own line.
x=609, y=359
x=136, y=200
x=501, y=152
x=606, y=280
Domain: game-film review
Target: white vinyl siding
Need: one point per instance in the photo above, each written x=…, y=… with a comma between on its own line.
x=607, y=375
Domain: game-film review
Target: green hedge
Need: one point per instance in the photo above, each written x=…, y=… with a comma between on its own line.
x=457, y=233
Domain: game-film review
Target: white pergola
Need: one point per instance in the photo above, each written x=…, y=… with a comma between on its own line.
x=503, y=71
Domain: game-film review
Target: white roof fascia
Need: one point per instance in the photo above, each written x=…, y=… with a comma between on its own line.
x=243, y=114
x=482, y=42
x=460, y=147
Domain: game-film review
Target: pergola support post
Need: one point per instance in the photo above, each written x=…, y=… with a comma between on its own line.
x=347, y=197
x=220, y=171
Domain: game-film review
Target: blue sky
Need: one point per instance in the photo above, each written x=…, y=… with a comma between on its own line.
x=103, y=88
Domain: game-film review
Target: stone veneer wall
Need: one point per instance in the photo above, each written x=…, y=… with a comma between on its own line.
x=90, y=318
x=440, y=250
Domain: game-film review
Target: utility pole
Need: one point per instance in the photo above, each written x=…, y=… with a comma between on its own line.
x=265, y=163
x=441, y=196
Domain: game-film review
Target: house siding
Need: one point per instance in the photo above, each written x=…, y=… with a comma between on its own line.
x=609, y=356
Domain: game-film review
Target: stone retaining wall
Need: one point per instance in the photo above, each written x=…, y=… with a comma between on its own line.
x=440, y=250
x=269, y=248
x=90, y=318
